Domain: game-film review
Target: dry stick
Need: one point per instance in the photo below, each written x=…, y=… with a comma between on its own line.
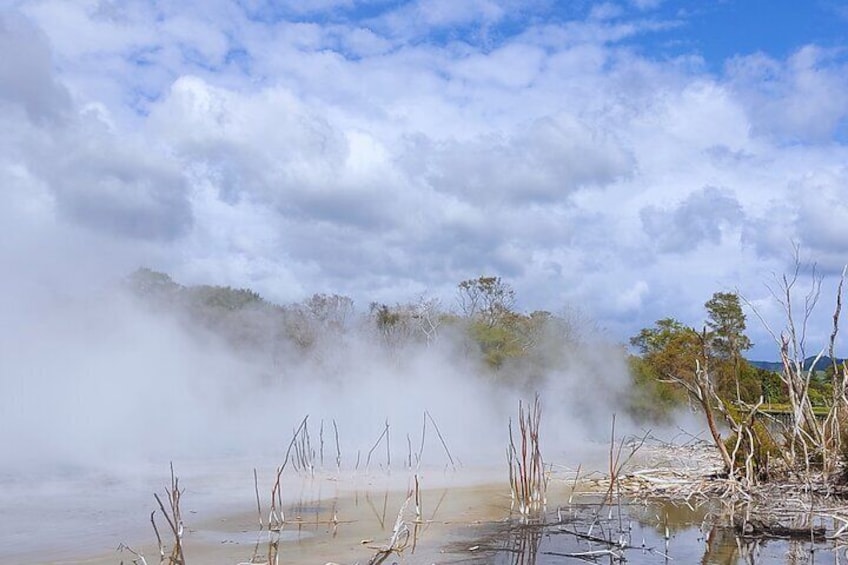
x=376, y=443
x=418, y=510
x=338, y=448
x=409, y=448
x=321, y=439
x=441, y=438
x=158, y=537
x=510, y=456
x=399, y=539
x=527, y=477
x=832, y=421
x=574, y=485
x=134, y=552
x=174, y=498
x=423, y=435
x=388, y=448
x=310, y=453
x=256, y=490
x=277, y=516
x=615, y=472
x=174, y=519
x=300, y=448
x=294, y=440
x=611, y=463
x=176, y=553
x=616, y=466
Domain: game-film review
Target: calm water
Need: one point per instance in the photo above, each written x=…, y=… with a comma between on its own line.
x=642, y=529
x=89, y=514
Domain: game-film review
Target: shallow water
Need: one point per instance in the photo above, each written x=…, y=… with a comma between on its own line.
x=657, y=532
x=465, y=518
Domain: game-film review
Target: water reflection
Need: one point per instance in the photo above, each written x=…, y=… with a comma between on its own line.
x=657, y=532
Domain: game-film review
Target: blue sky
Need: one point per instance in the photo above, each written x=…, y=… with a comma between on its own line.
x=715, y=31
x=718, y=31
x=627, y=158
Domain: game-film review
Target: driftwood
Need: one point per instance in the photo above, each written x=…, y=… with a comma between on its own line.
x=812, y=511
x=758, y=529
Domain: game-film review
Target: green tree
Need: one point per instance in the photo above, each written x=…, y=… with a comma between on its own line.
x=726, y=323
x=670, y=349
x=727, y=340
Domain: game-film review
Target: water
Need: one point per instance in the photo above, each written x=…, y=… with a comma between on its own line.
x=641, y=534
x=466, y=519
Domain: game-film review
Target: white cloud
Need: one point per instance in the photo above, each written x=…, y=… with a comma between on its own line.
x=26, y=78
x=417, y=18
x=347, y=157
x=605, y=11
x=545, y=162
x=804, y=98
x=703, y=217
x=647, y=4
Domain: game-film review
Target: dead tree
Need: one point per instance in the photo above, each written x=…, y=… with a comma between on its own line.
x=740, y=420
x=810, y=440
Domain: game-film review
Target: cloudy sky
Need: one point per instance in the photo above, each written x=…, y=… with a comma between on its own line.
x=626, y=158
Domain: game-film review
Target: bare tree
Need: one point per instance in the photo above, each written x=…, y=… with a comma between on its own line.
x=332, y=311
x=809, y=436
x=428, y=315
x=487, y=299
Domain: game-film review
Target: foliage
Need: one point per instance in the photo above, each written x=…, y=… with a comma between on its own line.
x=652, y=399
x=497, y=342
x=150, y=283
x=222, y=297
x=773, y=389
x=669, y=348
x=726, y=324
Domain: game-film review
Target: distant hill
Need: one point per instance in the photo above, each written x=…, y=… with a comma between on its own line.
x=776, y=366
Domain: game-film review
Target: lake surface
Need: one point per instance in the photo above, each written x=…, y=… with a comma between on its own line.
x=465, y=518
x=646, y=533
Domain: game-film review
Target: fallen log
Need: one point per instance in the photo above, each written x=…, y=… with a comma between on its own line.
x=758, y=529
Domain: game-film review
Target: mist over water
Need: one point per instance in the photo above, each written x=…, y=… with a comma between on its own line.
x=100, y=392
x=101, y=381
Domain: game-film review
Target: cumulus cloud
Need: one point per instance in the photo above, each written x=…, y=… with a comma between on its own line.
x=26, y=75
x=804, y=98
x=122, y=192
x=700, y=218
x=544, y=162
x=378, y=149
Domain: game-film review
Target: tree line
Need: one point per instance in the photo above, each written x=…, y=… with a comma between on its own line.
x=484, y=325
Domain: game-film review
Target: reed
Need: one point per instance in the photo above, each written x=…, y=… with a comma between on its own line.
x=527, y=478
